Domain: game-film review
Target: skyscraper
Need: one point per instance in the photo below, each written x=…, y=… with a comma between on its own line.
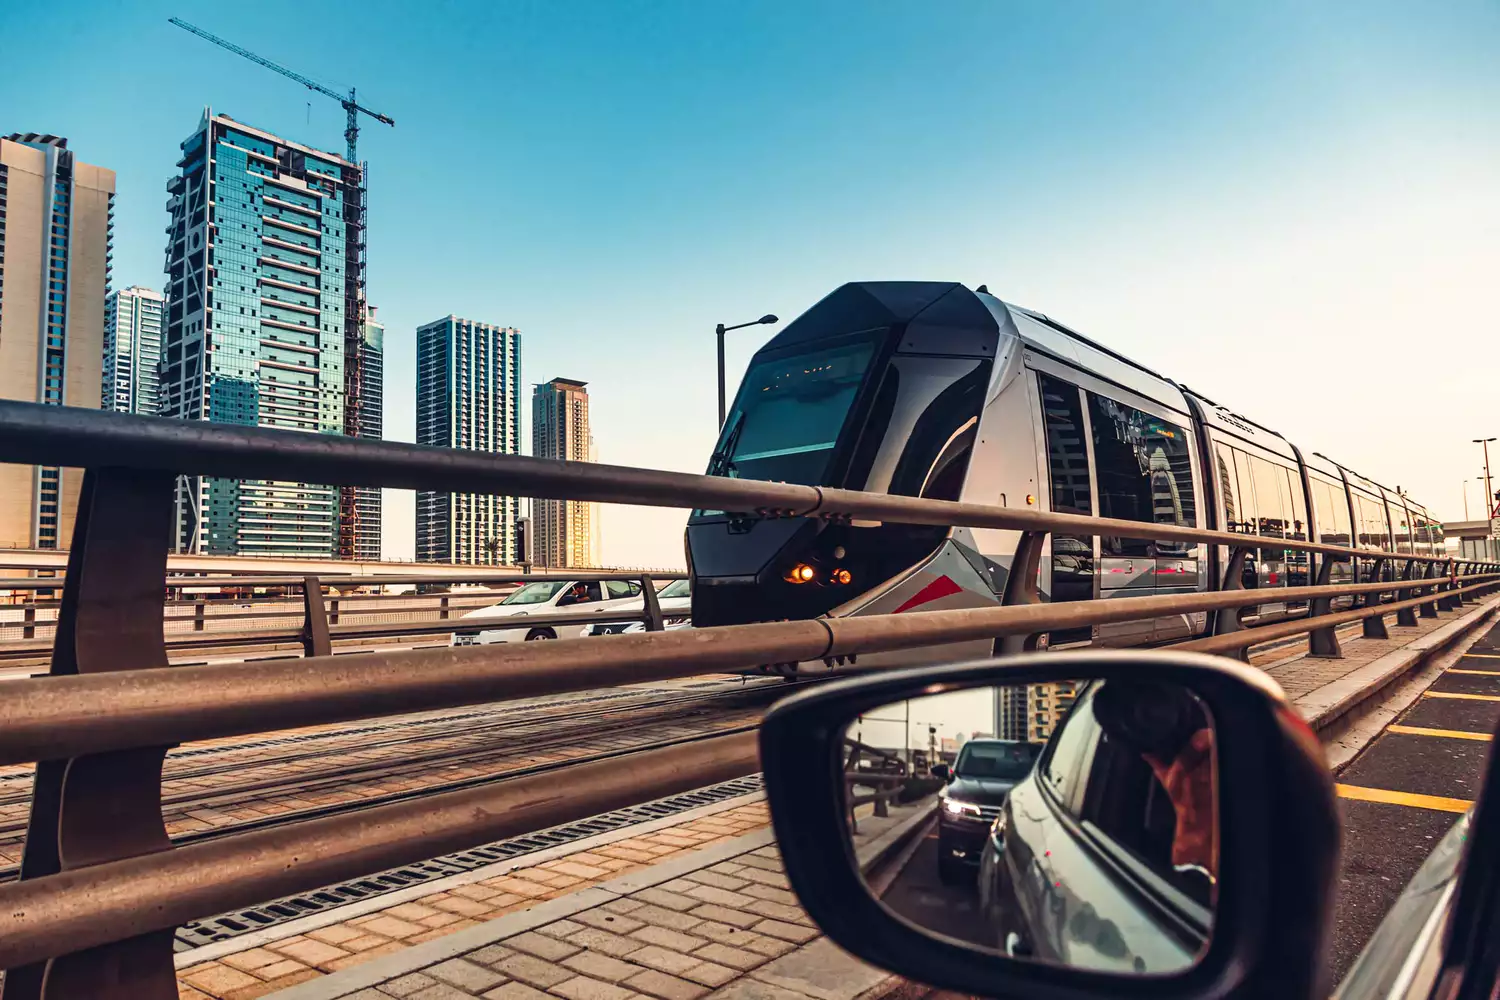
x=468, y=396
x=132, y=351
x=265, y=295
x=56, y=233
x=359, y=506
x=560, y=429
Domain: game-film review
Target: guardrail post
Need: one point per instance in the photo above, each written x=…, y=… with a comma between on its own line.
x=315, y=619
x=1470, y=598
x=443, y=608
x=333, y=610
x=654, y=621
x=198, y=616
x=107, y=806
x=1227, y=620
x=1374, y=625
x=1407, y=616
x=1020, y=587
x=1322, y=642
x=1430, y=609
x=1448, y=602
x=28, y=617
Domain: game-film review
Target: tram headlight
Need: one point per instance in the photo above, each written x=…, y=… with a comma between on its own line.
x=801, y=573
x=840, y=575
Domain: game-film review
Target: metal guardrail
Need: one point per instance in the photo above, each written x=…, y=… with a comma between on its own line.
x=102, y=886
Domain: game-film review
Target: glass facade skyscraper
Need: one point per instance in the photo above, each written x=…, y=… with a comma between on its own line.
x=132, y=351
x=468, y=396
x=56, y=233
x=265, y=290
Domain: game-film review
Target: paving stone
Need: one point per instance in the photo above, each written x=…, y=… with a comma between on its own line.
x=821, y=970
x=777, y=911
x=786, y=931
x=664, y=959
x=598, y=966
x=369, y=994
x=542, y=946
x=668, y=938
x=754, y=989
x=465, y=974
x=669, y=900
x=392, y=927
x=774, y=879
x=764, y=864
x=310, y=952
x=284, y=968
x=441, y=991
x=710, y=974
x=767, y=946
x=407, y=985
x=771, y=893
x=665, y=987
x=606, y=921
x=735, y=958
x=584, y=988
x=516, y=991
x=218, y=979
x=735, y=918
x=489, y=954
x=661, y=917
x=622, y=905
x=254, y=958
x=532, y=970
x=715, y=879
x=726, y=868
x=560, y=928
x=605, y=941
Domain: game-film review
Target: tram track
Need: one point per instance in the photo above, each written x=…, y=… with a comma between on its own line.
x=687, y=717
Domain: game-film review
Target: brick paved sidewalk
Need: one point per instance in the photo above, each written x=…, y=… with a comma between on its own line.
x=720, y=922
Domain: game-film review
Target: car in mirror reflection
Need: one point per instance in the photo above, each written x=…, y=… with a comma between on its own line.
x=1095, y=849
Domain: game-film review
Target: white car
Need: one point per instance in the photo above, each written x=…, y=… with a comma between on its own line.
x=676, y=600
x=550, y=598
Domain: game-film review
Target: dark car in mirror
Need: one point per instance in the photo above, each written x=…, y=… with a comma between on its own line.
x=1094, y=823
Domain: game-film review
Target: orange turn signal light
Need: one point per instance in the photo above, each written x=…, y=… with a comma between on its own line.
x=800, y=573
x=840, y=575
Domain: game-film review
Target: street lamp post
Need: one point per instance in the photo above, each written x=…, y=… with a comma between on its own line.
x=719, y=331
x=1489, y=497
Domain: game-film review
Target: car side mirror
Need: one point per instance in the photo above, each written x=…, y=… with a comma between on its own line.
x=941, y=771
x=1139, y=854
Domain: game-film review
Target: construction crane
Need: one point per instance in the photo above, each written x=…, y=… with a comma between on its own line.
x=352, y=107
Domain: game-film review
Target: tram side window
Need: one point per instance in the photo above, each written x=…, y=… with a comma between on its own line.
x=1071, y=492
x=1295, y=505
x=1261, y=497
x=1403, y=528
x=1236, y=517
x=1332, y=507
x=1144, y=474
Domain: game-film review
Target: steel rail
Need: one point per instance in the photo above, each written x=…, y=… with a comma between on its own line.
x=85, y=907
x=34, y=434
x=53, y=717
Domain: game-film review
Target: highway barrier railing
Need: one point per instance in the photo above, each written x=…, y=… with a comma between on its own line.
x=102, y=886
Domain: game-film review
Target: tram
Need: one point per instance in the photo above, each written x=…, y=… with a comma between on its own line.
x=929, y=389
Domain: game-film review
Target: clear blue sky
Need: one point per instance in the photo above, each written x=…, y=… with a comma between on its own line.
x=1291, y=206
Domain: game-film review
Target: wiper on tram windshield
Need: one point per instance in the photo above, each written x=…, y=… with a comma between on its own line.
x=720, y=464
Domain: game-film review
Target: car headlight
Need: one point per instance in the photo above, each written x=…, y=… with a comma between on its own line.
x=956, y=807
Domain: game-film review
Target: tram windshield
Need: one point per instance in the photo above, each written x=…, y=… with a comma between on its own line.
x=787, y=417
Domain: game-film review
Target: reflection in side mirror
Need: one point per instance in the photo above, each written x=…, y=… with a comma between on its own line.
x=1069, y=822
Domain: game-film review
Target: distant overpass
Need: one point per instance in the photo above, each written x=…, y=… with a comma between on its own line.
x=1469, y=529
x=56, y=559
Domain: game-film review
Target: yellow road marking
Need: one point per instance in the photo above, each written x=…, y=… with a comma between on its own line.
x=1457, y=734
x=1477, y=673
x=1438, y=802
x=1485, y=656
x=1463, y=697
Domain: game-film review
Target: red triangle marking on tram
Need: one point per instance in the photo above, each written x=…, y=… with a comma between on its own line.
x=941, y=587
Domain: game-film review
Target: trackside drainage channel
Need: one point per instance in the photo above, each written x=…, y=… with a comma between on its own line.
x=198, y=933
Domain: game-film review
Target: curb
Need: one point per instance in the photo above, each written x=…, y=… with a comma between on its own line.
x=880, y=850
x=1339, y=705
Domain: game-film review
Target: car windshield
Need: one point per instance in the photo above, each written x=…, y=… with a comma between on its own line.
x=995, y=760
x=677, y=588
x=535, y=593
x=787, y=417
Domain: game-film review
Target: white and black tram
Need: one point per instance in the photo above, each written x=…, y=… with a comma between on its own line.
x=930, y=389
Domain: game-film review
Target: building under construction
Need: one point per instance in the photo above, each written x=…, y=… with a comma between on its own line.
x=266, y=326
